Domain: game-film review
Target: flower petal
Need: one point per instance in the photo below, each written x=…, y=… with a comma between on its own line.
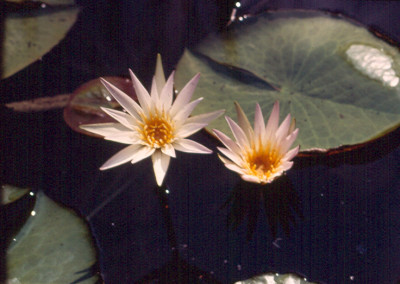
x=159, y=75
x=283, y=129
x=169, y=150
x=167, y=92
x=234, y=157
x=183, y=114
x=288, y=141
x=259, y=125
x=251, y=178
x=121, y=157
x=231, y=145
x=291, y=154
x=273, y=121
x=106, y=129
x=206, y=117
x=190, y=146
x=231, y=166
x=142, y=153
x=141, y=93
x=238, y=133
x=188, y=129
x=160, y=166
x=123, y=118
x=185, y=95
x=123, y=99
x=244, y=122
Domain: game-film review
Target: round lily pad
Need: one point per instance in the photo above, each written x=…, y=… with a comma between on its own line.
x=339, y=81
x=53, y=246
x=31, y=33
x=84, y=104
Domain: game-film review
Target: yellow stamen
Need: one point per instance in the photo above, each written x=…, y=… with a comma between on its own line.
x=157, y=130
x=262, y=162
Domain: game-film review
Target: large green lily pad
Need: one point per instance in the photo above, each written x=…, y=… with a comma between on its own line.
x=53, y=246
x=30, y=35
x=337, y=79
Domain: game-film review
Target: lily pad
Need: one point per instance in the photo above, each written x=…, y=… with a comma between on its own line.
x=275, y=278
x=53, y=246
x=306, y=60
x=84, y=104
x=28, y=35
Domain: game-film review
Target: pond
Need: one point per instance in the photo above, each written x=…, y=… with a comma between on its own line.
x=332, y=218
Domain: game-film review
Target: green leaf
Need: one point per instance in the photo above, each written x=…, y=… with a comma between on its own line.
x=30, y=35
x=54, y=246
x=300, y=59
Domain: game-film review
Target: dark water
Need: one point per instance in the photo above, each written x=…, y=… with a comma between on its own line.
x=348, y=230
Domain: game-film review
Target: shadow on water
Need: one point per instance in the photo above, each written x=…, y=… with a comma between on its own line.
x=281, y=203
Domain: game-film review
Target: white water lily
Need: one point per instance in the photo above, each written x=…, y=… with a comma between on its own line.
x=157, y=127
x=261, y=154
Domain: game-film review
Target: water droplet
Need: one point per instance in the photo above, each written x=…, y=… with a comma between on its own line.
x=113, y=224
x=31, y=193
x=167, y=191
x=33, y=213
x=237, y=4
x=43, y=5
x=239, y=267
x=351, y=277
x=225, y=261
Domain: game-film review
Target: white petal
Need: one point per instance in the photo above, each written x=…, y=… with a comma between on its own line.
x=184, y=95
x=142, y=153
x=183, y=114
x=288, y=141
x=190, y=146
x=273, y=121
x=291, y=154
x=251, y=178
x=231, y=155
x=122, y=157
x=159, y=74
x=205, y=118
x=169, y=150
x=160, y=166
x=286, y=165
x=188, y=129
x=123, y=118
x=167, y=92
x=283, y=129
x=243, y=121
x=154, y=94
x=227, y=141
x=106, y=129
x=231, y=166
x=238, y=133
x=124, y=138
x=141, y=93
x=123, y=99
x=259, y=125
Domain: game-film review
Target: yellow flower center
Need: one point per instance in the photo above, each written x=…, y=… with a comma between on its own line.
x=262, y=163
x=157, y=130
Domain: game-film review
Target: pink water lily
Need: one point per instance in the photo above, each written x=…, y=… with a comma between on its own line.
x=155, y=127
x=261, y=154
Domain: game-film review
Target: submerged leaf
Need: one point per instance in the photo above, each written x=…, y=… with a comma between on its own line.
x=29, y=35
x=303, y=55
x=53, y=246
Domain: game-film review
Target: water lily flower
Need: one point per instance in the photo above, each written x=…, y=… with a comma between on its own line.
x=157, y=127
x=262, y=154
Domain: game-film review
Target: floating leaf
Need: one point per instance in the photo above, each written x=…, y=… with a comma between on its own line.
x=54, y=246
x=28, y=35
x=301, y=59
x=85, y=102
x=275, y=278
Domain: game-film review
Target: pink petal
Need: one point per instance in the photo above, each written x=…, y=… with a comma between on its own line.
x=184, y=95
x=190, y=146
x=122, y=157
